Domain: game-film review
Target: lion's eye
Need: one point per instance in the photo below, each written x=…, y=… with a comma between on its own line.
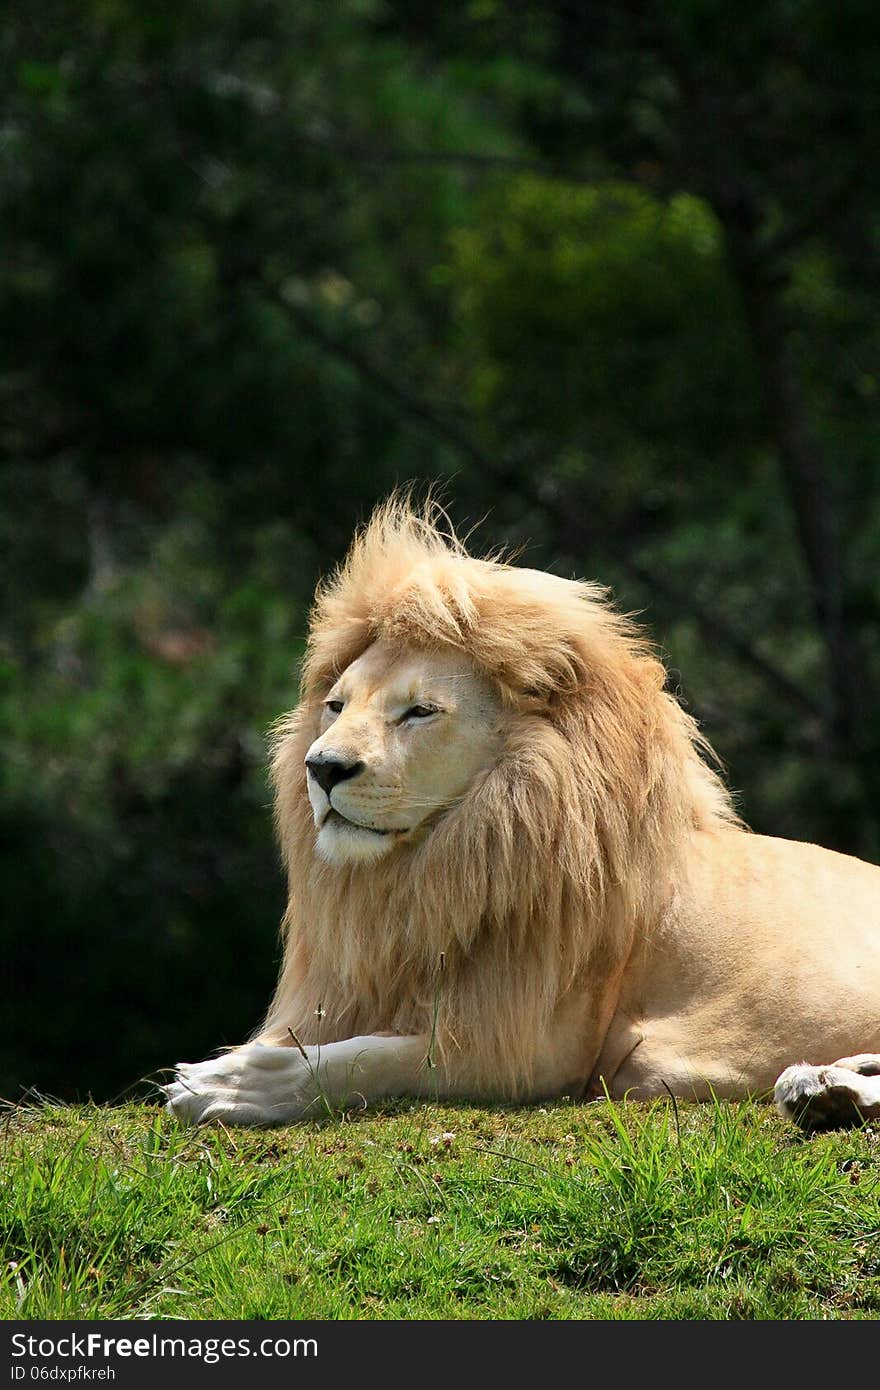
x=419, y=712
x=334, y=706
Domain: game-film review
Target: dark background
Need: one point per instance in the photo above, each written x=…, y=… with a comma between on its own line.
x=608, y=272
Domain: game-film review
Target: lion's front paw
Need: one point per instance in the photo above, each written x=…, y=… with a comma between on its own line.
x=830, y=1097
x=252, y=1085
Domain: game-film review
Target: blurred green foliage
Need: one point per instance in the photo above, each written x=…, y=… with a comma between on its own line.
x=608, y=274
x=618, y=289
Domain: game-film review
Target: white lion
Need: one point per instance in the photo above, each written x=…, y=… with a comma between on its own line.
x=511, y=873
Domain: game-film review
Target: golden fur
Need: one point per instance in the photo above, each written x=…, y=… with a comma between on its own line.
x=554, y=860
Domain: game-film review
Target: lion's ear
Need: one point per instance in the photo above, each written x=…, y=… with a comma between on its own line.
x=545, y=702
x=524, y=699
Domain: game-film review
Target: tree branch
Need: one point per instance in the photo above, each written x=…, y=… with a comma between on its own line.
x=406, y=403
x=721, y=631
x=464, y=159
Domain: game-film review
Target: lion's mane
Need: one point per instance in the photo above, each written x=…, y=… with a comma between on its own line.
x=555, y=859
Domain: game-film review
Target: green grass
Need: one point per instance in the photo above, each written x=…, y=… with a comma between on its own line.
x=425, y=1211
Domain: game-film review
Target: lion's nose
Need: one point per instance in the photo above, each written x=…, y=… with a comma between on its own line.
x=328, y=770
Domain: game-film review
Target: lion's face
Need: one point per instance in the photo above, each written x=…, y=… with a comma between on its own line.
x=403, y=734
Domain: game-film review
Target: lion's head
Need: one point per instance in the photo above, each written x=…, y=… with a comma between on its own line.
x=402, y=735
x=484, y=778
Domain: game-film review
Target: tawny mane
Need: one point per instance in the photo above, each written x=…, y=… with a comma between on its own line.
x=554, y=861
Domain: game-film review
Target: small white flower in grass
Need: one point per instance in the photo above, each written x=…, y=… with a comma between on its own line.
x=433, y=1220
x=446, y=1139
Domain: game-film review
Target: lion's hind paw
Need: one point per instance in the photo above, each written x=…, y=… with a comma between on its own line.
x=830, y=1097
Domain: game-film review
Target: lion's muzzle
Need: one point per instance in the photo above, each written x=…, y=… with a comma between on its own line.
x=328, y=770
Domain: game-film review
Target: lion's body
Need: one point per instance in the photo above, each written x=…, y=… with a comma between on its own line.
x=770, y=953
x=509, y=857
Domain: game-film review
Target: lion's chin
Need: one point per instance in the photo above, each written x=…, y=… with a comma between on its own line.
x=341, y=842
